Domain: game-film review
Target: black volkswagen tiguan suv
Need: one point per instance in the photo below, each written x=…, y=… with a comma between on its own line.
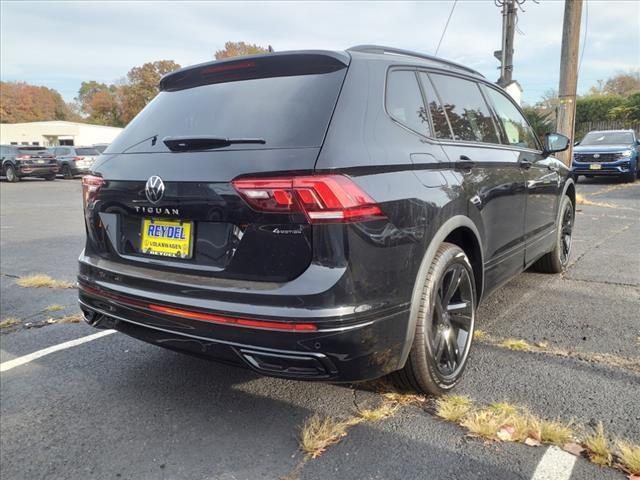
x=319, y=215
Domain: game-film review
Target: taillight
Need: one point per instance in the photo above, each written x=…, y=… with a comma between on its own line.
x=23, y=157
x=77, y=159
x=323, y=198
x=90, y=187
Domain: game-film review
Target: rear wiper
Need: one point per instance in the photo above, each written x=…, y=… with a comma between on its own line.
x=205, y=142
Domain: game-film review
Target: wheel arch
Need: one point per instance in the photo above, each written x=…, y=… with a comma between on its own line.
x=459, y=230
x=570, y=191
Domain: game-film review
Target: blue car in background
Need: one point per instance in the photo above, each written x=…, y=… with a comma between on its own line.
x=608, y=152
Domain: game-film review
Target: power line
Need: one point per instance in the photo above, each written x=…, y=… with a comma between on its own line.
x=446, y=25
x=584, y=38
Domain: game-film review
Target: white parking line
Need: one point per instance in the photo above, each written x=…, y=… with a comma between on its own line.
x=555, y=464
x=16, y=362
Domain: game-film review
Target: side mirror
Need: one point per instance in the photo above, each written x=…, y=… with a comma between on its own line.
x=555, y=142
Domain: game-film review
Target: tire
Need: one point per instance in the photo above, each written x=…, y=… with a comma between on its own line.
x=50, y=178
x=66, y=172
x=425, y=370
x=629, y=177
x=556, y=260
x=10, y=173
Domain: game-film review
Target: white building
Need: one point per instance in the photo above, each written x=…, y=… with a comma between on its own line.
x=515, y=90
x=55, y=133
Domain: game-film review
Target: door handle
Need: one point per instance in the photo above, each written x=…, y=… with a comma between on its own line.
x=464, y=163
x=526, y=164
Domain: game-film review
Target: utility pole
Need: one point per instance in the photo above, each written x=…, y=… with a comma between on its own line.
x=569, y=74
x=505, y=55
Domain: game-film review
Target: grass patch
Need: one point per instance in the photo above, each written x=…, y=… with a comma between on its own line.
x=516, y=344
x=555, y=432
x=629, y=456
x=41, y=280
x=385, y=410
x=400, y=398
x=453, y=408
x=73, y=318
x=9, y=322
x=582, y=200
x=597, y=447
x=483, y=423
x=503, y=408
x=479, y=335
x=54, y=308
x=319, y=433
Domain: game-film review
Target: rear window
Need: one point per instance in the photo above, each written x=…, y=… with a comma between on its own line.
x=286, y=111
x=32, y=149
x=404, y=101
x=87, y=151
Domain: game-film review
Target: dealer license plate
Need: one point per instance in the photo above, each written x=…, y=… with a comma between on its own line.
x=167, y=238
x=595, y=166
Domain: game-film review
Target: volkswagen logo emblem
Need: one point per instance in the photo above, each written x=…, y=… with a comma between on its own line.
x=154, y=189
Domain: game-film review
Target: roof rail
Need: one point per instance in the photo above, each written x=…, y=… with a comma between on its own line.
x=409, y=53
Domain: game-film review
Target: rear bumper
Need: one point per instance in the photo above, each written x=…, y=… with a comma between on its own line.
x=77, y=170
x=347, y=345
x=36, y=171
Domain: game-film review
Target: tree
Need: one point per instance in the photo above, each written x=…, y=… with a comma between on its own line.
x=628, y=110
x=623, y=84
x=101, y=103
x=21, y=102
x=239, y=49
x=596, y=107
x=142, y=85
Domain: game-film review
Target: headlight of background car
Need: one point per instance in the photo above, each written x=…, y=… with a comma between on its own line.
x=627, y=153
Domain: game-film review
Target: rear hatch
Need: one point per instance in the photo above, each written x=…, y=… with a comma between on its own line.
x=36, y=156
x=86, y=157
x=166, y=198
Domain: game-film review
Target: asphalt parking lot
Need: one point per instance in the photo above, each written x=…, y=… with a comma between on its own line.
x=115, y=407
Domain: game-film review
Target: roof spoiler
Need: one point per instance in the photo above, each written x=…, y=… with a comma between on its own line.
x=281, y=64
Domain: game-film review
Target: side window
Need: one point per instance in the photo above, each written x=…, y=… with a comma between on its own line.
x=404, y=101
x=438, y=118
x=516, y=128
x=466, y=109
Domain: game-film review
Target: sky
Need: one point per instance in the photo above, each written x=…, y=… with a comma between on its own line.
x=59, y=44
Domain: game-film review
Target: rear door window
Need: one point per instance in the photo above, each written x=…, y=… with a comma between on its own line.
x=404, y=101
x=517, y=130
x=466, y=109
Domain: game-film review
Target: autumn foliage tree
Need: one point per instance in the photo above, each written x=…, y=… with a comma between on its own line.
x=21, y=102
x=142, y=85
x=239, y=49
x=117, y=104
x=101, y=103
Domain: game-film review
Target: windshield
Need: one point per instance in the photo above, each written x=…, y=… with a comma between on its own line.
x=287, y=112
x=607, y=138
